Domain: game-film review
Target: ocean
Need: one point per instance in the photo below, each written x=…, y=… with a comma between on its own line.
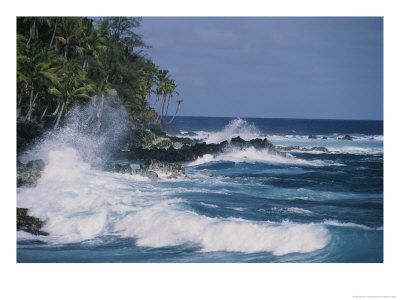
x=238, y=206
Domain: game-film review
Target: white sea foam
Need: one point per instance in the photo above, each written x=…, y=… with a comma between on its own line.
x=209, y=205
x=345, y=224
x=253, y=155
x=356, y=150
x=79, y=204
x=236, y=127
x=161, y=226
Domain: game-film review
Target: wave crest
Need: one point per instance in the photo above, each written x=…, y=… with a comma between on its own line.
x=236, y=127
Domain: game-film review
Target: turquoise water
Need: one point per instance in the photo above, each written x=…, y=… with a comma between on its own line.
x=257, y=206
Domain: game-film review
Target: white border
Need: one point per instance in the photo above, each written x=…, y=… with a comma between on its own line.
x=200, y=281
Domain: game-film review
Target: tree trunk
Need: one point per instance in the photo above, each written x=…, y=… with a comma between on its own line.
x=162, y=110
x=156, y=101
x=31, y=104
x=32, y=32
x=177, y=108
x=54, y=32
x=166, y=111
x=99, y=113
x=59, y=115
x=44, y=113
x=58, y=107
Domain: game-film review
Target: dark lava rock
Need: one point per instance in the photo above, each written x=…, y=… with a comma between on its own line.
x=36, y=165
x=312, y=137
x=28, y=223
x=117, y=168
x=28, y=174
x=347, y=138
x=287, y=148
x=324, y=138
x=192, y=152
x=127, y=169
x=290, y=148
x=145, y=173
x=323, y=149
x=154, y=165
x=238, y=141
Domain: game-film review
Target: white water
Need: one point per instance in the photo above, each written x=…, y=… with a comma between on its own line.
x=80, y=204
x=236, y=127
x=253, y=155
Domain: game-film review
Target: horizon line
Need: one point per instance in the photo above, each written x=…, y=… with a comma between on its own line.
x=280, y=118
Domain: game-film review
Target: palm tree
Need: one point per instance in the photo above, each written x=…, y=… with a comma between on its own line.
x=36, y=68
x=72, y=87
x=179, y=102
x=34, y=24
x=100, y=89
x=92, y=42
x=69, y=35
x=162, y=76
x=171, y=90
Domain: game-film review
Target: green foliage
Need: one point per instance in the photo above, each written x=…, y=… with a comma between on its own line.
x=64, y=61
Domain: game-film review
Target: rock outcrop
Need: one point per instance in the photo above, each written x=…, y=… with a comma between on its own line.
x=173, y=170
x=192, y=152
x=28, y=174
x=28, y=223
x=346, y=137
x=149, y=168
x=290, y=148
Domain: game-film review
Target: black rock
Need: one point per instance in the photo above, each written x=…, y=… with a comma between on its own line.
x=312, y=137
x=145, y=173
x=36, y=165
x=346, y=137
x=162, y=166
x=28, y=174
x=28, y=223
x=191, y=152
x=238, y=141
x=324, y=138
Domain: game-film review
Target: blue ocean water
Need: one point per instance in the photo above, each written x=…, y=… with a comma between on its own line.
x=239, y=206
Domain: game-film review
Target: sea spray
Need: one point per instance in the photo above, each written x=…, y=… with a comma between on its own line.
x=80, y=204
x=306, y=208
x=93, y=146
x=236, y=127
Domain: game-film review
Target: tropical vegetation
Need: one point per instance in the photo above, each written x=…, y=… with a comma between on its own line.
x=68, y=61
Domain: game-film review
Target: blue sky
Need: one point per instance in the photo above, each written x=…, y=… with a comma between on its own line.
x=327, y=68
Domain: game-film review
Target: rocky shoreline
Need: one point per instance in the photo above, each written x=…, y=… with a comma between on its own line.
x=157, y=152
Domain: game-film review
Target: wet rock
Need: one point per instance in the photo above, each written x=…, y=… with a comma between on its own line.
x=145, y=173
x=287, y=148
x=324, y=138
x=192, y=152
x=347, y=138
x=29, y=223
x=36, y=165
x=323, y=149
x=312, y=137
x=117, y=168
x=238, y=142
x=28, y=174
x=173, y=169
x=127, y=169
x=290, y=148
